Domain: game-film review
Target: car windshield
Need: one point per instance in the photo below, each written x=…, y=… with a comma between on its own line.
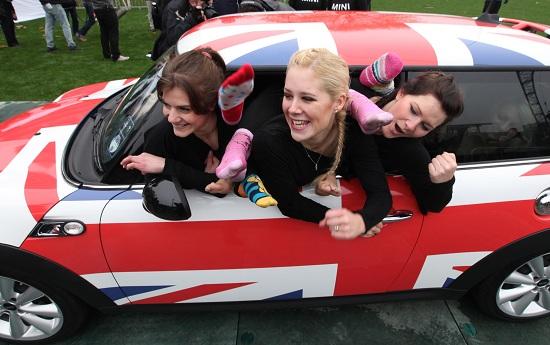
x=130, y=114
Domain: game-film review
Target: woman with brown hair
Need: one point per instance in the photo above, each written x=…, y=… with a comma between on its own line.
x=189, y=144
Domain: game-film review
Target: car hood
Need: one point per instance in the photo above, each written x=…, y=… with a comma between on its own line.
x=31, y=149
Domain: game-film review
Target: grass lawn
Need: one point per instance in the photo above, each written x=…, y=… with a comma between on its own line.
x=30, y=73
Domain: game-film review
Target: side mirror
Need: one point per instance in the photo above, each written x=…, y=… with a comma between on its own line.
x=166, y=199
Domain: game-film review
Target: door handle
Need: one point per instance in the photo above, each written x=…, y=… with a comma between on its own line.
x=397, y=216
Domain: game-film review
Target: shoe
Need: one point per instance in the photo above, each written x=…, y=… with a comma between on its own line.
x=51, y=49
x=123, y=58
x=80, y=37
x=72, y=47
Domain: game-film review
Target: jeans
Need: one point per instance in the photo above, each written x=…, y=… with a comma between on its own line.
x=56, y=12
x=90, y=20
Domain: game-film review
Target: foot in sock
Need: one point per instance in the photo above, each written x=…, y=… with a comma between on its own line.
x=233, y=164
x=379, y=76
x=256, y=192
x=369, y=116
x=233, y=92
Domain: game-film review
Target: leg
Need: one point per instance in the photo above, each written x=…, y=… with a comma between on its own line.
x=89, y=21
x=8, y=27
x=369, y=116
x=104, y=32
x=150, y=14
x=49, y=22
x=113, y=35
x=256, y=192
x=62, y=18
x=233, y=91
x=379, y=76
x=233, y=164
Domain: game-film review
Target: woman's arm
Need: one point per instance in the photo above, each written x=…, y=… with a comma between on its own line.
x=409, y=157
x=366, y=165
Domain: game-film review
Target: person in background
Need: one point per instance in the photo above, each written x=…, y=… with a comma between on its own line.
x=7, y=16
x=331, y=5
x=90, y=20
x=492, y=6
x=70, y=10
x=108, y=25
x=55, y=12
x=178, y=17
x=224, y=7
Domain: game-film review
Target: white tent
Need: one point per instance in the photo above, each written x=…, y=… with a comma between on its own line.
x=28, y=10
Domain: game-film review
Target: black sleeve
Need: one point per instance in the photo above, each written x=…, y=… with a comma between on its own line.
x=362, y=155
x=410, y=158
x=273, y=161
x=157, y=142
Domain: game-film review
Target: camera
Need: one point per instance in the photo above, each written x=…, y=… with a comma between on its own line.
x=206, y=10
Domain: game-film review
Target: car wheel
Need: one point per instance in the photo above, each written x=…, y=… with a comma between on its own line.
x=30, y=312
x=519, y=292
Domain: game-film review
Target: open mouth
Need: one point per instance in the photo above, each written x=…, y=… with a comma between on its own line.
x=299, y=124
x=398, y=129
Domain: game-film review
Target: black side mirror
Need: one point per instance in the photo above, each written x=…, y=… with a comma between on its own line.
x=166, y=199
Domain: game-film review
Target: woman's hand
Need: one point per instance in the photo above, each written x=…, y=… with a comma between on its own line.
x=211, y=162
x=442, y=168
x=343, y=224
x=327, y=185
x=375, y=230
x=219, y=187
x=144, y=162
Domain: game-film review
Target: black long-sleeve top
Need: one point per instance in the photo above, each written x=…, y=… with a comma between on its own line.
x=409, y=157
x=284, y=166
x=331, y=5
x=185, y=157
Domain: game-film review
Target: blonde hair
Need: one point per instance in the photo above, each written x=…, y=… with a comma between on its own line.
x=333, y=72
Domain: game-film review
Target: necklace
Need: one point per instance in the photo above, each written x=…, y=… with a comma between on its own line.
x=311, y=159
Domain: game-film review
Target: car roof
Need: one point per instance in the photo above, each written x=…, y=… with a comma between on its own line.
x=269, y=39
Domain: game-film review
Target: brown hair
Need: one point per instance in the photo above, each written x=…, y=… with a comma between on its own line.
x=199, y=73
x=441, y=85
x=333, y=72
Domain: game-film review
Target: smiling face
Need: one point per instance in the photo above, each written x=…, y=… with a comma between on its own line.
x=309, y=110
x=414, y=116
x=177, y=110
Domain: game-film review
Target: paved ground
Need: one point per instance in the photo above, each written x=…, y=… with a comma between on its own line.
x=418, y=323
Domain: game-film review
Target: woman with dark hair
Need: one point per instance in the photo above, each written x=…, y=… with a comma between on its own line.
x=418, y=107
x=189, y=144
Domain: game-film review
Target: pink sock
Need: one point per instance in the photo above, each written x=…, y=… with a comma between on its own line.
x=379, y=76
x=233, y=164
x=369, y=116
x=233, y=92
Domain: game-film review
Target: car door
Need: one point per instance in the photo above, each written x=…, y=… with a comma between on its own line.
x=232, y=250
x=502, y=143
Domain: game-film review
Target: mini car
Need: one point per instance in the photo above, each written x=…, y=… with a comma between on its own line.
x=75, y=234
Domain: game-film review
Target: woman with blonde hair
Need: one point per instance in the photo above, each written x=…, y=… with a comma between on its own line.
x=315, y=138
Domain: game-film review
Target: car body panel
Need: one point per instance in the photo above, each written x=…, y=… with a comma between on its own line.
x=425, y=40
x=241, y=252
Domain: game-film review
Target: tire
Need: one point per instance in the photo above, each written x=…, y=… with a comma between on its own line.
x=32, y=312
x=521, y=291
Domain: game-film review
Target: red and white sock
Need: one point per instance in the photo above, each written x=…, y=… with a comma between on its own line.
x=379, y=76
x=233, y=92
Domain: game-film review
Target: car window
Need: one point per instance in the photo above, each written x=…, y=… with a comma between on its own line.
x=506, y=116
x=140, y=101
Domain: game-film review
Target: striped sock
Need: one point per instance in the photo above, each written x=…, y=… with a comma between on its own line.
x=379, y=76
x=256, y=192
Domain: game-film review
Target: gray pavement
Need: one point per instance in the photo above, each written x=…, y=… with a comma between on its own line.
x=416, y=322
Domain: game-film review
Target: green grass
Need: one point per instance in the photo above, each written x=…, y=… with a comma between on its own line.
x=30, y=73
